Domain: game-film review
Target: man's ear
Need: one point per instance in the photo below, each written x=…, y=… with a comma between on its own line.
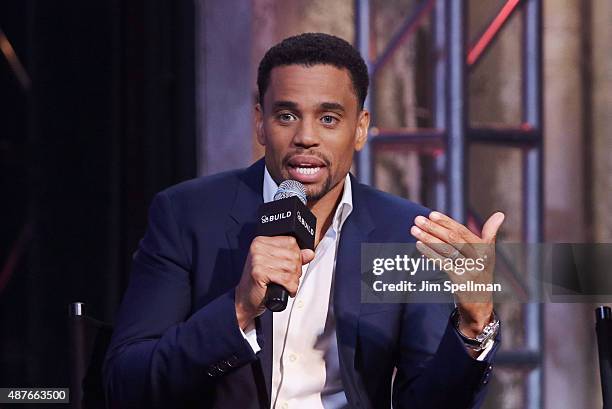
x=259, y=121
x=361, y=133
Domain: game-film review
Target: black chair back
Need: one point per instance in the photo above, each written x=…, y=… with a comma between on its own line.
x=603, y=327
x=89, y=341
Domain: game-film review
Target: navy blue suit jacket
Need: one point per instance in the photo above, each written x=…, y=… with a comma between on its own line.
x=177, y=342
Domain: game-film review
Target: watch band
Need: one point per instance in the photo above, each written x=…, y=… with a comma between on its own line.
x=481, y=341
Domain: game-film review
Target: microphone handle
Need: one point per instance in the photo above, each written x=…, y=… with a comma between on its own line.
x=285, y=217
x=276, y=297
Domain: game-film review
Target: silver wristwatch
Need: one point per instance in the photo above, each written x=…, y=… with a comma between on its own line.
x=481, y=341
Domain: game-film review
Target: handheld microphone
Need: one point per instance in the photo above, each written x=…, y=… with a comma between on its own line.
x=287, y=215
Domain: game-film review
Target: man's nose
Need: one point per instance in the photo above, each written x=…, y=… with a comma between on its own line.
x=306, y=135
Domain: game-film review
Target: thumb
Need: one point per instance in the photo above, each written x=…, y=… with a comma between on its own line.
x=307, y=255
x=491, y=226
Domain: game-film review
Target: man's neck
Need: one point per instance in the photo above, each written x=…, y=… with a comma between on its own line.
x=325, y=208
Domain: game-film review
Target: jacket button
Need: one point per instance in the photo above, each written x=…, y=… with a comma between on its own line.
x=213, y=371
x=224, y=366
x=233, y=361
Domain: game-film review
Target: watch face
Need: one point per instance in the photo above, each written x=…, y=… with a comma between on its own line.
x=482, y=340
x=484, y=346
x=488, y=332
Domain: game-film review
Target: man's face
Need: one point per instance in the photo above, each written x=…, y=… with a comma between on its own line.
x=310, y=125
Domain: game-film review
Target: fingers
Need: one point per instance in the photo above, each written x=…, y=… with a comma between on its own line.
x=491, y=227
x=432, y=254
x=283, y=248
x=278, y=241
x=278, y=260
x=453, y=225
x=433, y=242
x=453, y=235
x=439, y=237
x=266, y=271
x=288, y=278
x=307, y=256
x=290, y=282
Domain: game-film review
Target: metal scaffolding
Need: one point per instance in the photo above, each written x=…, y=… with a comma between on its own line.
x=452, y=134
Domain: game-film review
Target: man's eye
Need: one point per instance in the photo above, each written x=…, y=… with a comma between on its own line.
x=286, y=117
x=329, y=120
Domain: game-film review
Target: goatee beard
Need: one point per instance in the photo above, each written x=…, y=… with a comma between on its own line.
x=316, y=196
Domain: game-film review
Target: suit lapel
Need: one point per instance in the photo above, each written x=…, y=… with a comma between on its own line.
x=241, y=229
x=347, y=288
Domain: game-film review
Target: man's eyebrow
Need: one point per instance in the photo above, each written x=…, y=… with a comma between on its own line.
x=332, y=106
x=284, y=105
x=325, y=106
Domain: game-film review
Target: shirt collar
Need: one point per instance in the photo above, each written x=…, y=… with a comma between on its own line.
x=344, y=209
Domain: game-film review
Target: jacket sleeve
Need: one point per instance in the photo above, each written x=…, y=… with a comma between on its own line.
x=435, y=369
x=159, y=355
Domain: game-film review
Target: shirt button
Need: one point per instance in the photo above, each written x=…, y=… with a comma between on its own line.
x=300, y=304
x=285, y=405
x=292, y=358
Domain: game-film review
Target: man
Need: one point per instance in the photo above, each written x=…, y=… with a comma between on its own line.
x=192, y=330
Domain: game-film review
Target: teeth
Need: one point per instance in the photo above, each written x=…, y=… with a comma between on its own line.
x=307, y=171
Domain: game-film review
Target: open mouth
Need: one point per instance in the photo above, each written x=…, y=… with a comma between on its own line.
x=306, y=169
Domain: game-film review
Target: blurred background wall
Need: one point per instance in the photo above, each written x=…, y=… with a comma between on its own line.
x=111, y=101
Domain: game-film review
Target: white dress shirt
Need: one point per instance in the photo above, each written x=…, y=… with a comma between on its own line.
x=306, y=369
x=305, y=363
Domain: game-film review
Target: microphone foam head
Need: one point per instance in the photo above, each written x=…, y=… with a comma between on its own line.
x=290, y=188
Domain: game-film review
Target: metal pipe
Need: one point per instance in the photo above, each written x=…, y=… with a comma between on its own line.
x=534, y=326
x=533, y=178
x=518, y=358
x=421, y=140
x=532, y=63
x=407, y=133
x=439, y=99
x=408, y=27
x=362, y=39
x=518, y=137
x=481, y=46
x=456, y=113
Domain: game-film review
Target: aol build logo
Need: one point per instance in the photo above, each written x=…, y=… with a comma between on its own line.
x=275, y=217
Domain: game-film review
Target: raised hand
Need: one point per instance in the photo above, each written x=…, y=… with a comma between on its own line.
x=466, y=257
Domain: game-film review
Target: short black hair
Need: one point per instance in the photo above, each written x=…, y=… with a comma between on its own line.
x=309, y=49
